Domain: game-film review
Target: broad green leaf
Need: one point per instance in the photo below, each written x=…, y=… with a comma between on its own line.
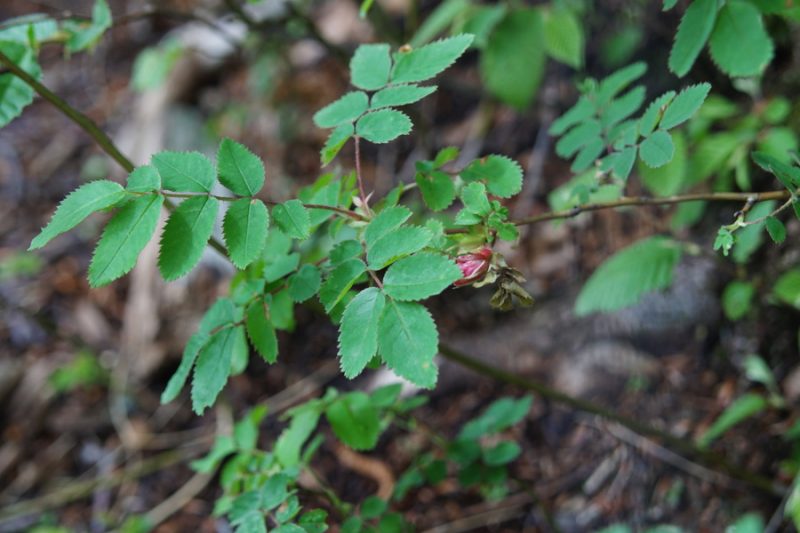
x=740, y=46
x=500, y=415
x=339, y=282
x=383, y=125
x=261, y=331
x=437, y=188
x=501, y=453
x=82, y=35
x=144, y=179
x=408, y=342
x=513, y=62
x=578, y=137
x=292, y=218
x=304, y=283
x=125, y=235
x=245, y=228
x=400, y=95
x=776, y=229
x=336, y=141
x=419, y=276
x=221, y=313
x=668, y=179
x=358, y=331
x=684, y=105
x=427, y=61
x=344, y=110
x=290, y=443
x=15, y=94
x=737, y=298
x=502, y=175
x=750, y=238
x=563, y=36
x=787, y=288
x=214, y=365
x=185, y=171
x=474, y=198
x=239, y=169
x=186, y=235
x=742, y=408
x=345, y=250
x=624, y=278
x=354, y=420
x=401, y=242
x=693, y=32
x=385, y=222
x=370, y=66
x=79, y=204
x=657, y=149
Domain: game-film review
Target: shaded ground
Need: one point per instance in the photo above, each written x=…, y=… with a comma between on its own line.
x=575, y=467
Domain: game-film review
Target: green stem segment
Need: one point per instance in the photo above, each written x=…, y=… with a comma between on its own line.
x=710, y=459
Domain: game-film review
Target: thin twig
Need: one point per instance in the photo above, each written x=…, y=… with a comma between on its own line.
x=710, y=459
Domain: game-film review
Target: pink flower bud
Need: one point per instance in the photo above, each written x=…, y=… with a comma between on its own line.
x=473, y=265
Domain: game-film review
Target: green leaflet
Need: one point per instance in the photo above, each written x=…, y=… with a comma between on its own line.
x=339, y=282
x=400, y=95
x=563, y=36
x=499, y=416
x=293, y=219
x=612, y=85
x=239, y=169
x=358, y=331
x=427, y=61
x=78, y=205
x=124, y=237
x=214, y=365
x=144, y=179
x=154, y=64
x=657, y=149
x=787, y=288
x=736, y=299
x=626, y=276
x=403, y=241
x=83, y=36
x=221, y=313
x=513, y=62
x=354, y=420
x=437, y=188
x=482, y=20
x=383, y=125
x=622, y=107
x=501, y=453
x=27, y=28
x=502, y=175
x=740, y=46
x=15, y=94
x=742, y=408
x=385, y=222
x=344, y=110
x=304, y=283
x=408, y=342
x=668, y=179
x=345, y=250
x=290, y=443
x=693, y=32
x=578, y=137
x=419, y=276
x=474, y=198
x=370, y=66
x=245, y=228
x=652, y=115
x=185, y=171
x=685, y=105
x=186, y=235
x=336, y=141
x=261, y=331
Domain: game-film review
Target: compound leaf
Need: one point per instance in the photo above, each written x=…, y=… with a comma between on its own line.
x=239, y=169
x=427, y=61
x=78, y=205
x=186, y=235
x=358, y=331
x=245, y=228
x=125, y=235
x=419, y=276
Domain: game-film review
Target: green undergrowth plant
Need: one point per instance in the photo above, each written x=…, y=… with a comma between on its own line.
x=370, y=263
